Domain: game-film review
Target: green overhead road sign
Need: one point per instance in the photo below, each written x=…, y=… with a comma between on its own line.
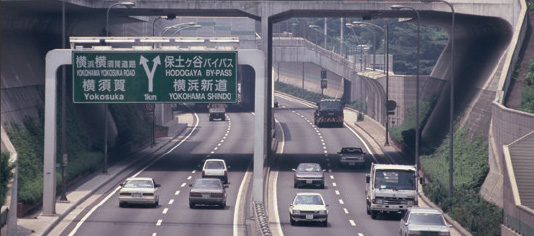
x=154, y=77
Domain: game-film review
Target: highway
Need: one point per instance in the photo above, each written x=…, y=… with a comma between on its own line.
x=229, y=140
x=175, y=171
x=345, y=187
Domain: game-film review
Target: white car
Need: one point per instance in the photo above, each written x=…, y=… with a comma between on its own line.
x=139, y=190
x=308, y=207
x=424, y=221
x=215, y=168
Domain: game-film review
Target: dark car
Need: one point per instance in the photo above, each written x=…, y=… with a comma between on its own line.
x=207, y=191
x=351, y=156
x=309, y=174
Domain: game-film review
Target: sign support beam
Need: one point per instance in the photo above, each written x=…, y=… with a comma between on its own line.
x=54, y=59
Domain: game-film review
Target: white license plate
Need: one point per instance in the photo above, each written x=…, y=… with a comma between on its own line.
x=309, y=181
x=309, y=217
x=205, y=195
x=137, y=195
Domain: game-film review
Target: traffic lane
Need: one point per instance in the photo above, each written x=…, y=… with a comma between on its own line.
x=304, y=144
x=209, y=220
x=348, y=184
x=168, y=171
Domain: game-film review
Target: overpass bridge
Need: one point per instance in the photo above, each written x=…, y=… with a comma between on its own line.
x=488, y=36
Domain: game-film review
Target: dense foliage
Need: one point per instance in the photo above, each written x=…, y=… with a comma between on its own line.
x=470, y=169
x=527, y=94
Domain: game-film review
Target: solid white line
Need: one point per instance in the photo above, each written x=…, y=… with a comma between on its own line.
x=159, y=222
x=346, y=211
x=341, y=202
x=337, y=192
x=364, y=143
x=275, y=189
x=171, y=201
x=176, y=193
x=165, y=211
x=352, y=222
x=238, y=202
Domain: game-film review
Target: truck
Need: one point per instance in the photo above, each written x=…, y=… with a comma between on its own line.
x=329, y=111
x=217, y=111
x=391, y=188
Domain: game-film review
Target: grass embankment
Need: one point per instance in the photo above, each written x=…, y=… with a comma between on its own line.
x=83, y=158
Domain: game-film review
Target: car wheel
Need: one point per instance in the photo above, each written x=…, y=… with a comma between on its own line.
x=156, y=204
x=292, y=221
x=223, y=205
x=322, y=185
x=373, y=214
x=325, y=223
x=368, y=211
x=122, y=204
x=191, y=205
x=295, y=185
x=211, y=119
x=223, y=119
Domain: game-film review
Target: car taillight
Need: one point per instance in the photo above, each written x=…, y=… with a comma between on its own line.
x=125, y=194
x=195, y=194
x=217, y=194
x=203, y=173
x=148, y=194
x=373, y=200
x=225, y=172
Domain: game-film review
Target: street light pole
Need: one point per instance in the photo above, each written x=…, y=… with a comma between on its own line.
x=399, y=7
x=386, y=66
x=105, y=167
x=187, y=27
x=451, y=112
x=168, y=17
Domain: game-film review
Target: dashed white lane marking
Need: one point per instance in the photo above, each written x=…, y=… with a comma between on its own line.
x=171, y=201
x=219, y=144
x=330, y=170
x=154, y=234
x=334, y=184
x=327, y=159
x=325, y=151
x=324, y=144
x=176, y=193
x=189, y=177
x=183, y=185
x=360, y=234
x=165, y=211
x=337, y=192
x=341, y=202
x=215, y=148
x=331, y=177
x=352, y=222
x=194, y=171
x=159, y=222
x=212, y=152
x=346, y=211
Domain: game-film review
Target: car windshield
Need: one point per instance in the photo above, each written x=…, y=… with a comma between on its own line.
x=214, y=165
x=207, y=184
x=351, y=150
x=395, y=179
x=139, y=184
x=308, y=200
x=309, y=167
x=426, y=219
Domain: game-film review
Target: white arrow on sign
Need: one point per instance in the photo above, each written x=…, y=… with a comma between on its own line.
x=150, y=72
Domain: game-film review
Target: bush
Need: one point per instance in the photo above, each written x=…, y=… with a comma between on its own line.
x=130, y=126
x=5, y=176
x=298, y=92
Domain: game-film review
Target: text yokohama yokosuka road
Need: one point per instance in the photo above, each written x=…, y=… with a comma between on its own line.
x=154, y=77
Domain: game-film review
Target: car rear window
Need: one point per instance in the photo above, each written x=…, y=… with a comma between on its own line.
x=139, y=184
x=308, y=199
x=309, y=167
x=351, y=150
x=207, y=184
x=426, y=219
x=214, y=165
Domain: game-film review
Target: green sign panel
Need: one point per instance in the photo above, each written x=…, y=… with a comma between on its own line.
x=154, y=77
